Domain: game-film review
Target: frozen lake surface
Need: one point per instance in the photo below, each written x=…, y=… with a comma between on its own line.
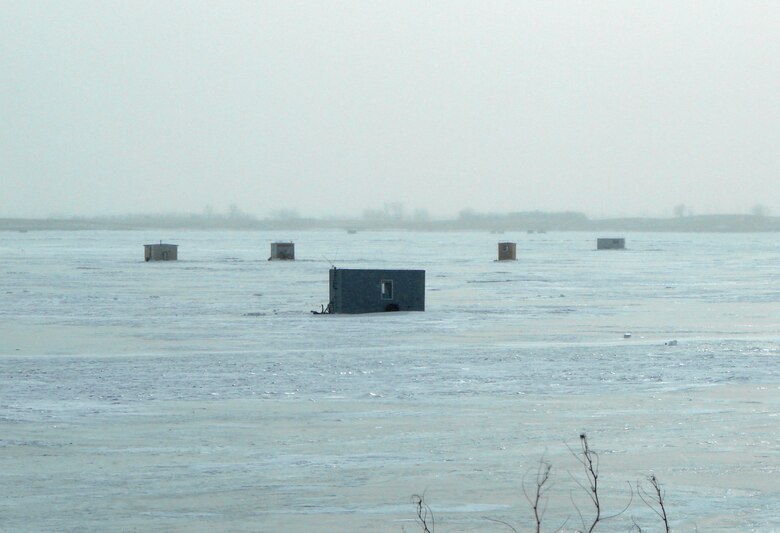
x=201, y=395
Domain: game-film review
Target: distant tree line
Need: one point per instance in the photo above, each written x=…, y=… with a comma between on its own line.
x=393, y=216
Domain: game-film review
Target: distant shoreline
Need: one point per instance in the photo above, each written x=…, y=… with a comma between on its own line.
x=531, y=222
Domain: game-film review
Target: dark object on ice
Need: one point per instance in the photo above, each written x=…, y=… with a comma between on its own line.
x=376, y=291
x=161, y=252
x=282, y=250
x=507, y=251
x=323, y=310
x=610, y=244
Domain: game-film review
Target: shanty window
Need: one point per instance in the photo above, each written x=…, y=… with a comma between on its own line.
x=387, y=289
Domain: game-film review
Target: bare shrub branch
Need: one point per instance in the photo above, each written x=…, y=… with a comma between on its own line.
x=541, y=481
x=654, y=499
x=507, y=524
x=539, y=478
x=589, y=459
x=424, y=513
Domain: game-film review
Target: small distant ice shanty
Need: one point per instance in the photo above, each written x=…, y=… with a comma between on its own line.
x=507, y=251
x=283, y=251
x=161, y=252
x=376, y=291
x=610, y=244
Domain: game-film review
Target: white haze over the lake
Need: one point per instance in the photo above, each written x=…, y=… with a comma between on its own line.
x=330, y=108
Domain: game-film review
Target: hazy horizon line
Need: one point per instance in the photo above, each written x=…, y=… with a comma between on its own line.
x=419, y=215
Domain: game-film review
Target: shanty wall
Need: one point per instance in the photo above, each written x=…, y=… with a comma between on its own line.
x=507, y=251
x=361, y=290
x=282, y=250
x=160, y=252
x=610, y=244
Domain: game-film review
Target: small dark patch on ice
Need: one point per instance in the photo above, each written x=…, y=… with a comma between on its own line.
x=563, y=310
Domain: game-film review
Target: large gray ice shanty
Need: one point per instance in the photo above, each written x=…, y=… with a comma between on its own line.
x=376, y=291
x=610, y=243
x=283, y=251
x=507, y=251
x=161, y=252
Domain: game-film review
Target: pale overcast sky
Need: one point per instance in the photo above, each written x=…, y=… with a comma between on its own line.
x=610, y=108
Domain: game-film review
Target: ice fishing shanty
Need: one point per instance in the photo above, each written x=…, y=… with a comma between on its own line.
x=161, y=252
x=283, y=251
x=376, y=291
x=507, y=251
x=610, y=243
